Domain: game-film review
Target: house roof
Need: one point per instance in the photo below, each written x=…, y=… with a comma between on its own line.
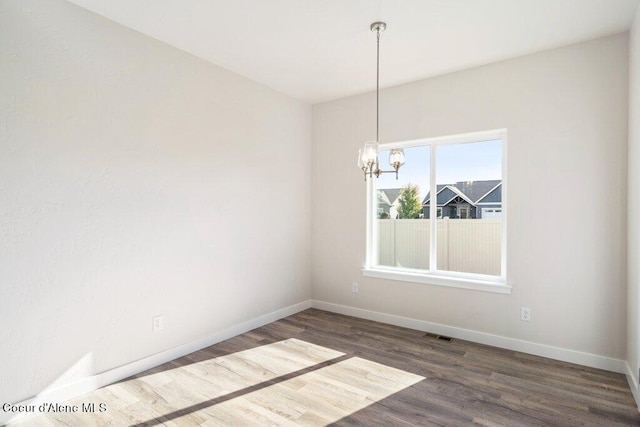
x=471, y=191
x=493, y=196
x=389, y=195
x=475, y=190
x=383, y=199
x=458, y=193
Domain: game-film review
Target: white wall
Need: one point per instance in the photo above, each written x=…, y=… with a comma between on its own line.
x=566, y=115
x=136, y=180
x=633, y=243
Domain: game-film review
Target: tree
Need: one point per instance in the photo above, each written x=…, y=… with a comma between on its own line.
x=409, y=201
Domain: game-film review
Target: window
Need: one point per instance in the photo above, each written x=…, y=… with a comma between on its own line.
x=451, y=222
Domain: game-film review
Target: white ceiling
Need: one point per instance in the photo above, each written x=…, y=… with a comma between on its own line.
x=319, y=50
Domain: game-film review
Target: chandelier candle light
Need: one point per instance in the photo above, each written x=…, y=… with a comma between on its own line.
x=368, y=156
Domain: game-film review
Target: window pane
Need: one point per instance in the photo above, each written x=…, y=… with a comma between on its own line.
x=469, y=192
x=403, y=233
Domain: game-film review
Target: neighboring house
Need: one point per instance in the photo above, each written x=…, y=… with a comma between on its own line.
x=467, y=199
x=388, y=202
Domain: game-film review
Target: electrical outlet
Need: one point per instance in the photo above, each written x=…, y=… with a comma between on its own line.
x=157, y=323
x=525, y=314
x=354, y=287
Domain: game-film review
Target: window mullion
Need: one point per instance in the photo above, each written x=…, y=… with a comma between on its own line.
x=372, y=226
x=433, y=210
x=504, y=212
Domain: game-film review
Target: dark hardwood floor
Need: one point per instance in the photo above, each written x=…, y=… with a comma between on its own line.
x=465, y=383
x=315, y=367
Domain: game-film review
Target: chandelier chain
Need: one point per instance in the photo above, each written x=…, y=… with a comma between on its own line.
x=378, y=85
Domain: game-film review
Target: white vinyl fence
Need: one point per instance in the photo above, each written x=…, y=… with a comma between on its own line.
x=465, y=245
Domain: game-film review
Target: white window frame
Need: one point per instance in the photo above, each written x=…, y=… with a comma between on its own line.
x=479, y=282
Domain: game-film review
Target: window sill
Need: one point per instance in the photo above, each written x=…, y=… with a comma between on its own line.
x=496, y=286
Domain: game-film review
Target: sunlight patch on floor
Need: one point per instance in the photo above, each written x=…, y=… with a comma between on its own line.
x=283, y=383
x=316, y=398
x=233, y=372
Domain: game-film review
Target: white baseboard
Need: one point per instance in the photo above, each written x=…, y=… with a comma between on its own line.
x=557, y=353
x=85, y=385
x=633, y=383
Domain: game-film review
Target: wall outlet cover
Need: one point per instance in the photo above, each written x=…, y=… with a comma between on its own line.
x=157, y=323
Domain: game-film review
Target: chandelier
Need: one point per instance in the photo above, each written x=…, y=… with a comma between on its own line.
x=368, y=155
